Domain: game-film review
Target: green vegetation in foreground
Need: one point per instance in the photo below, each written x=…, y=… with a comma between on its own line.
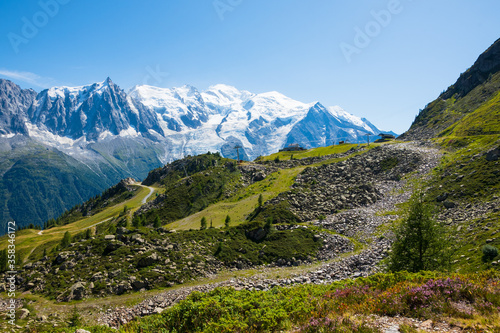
x=468, y=301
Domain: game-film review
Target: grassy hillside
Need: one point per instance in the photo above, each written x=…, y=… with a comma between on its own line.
x=316, y=152
x=485, y=120
x=238, y=197
x=443, y=113
x=31, y=243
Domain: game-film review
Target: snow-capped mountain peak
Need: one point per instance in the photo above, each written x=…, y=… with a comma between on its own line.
x=185, y=120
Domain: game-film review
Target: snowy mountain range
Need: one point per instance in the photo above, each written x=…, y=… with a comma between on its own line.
x=112, y=134
x=185, y=120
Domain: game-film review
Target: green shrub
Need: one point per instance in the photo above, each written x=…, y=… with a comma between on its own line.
x=75, y=319
x=489, y=252
x=203, y=223
x=66, y=239
x=389, y=163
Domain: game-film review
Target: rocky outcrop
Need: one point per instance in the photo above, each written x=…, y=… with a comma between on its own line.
x=487, y=64
x=324, y=190
x=14, y=102
x=90, y=112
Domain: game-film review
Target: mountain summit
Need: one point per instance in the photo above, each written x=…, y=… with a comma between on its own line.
x=478, y=86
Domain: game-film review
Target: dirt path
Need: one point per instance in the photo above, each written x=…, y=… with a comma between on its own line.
x=84, y=228
x=151, y=190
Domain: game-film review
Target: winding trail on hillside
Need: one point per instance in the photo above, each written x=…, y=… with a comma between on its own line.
x=151, y=190
x=144, y=200
x=364, y=220
x=84, y=228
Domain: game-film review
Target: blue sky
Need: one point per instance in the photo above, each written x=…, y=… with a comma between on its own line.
x=383, y=60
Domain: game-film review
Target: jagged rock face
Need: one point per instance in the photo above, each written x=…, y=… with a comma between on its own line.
x=473, y=89
x=487, y=64
x=14, y=102
x=90, y=112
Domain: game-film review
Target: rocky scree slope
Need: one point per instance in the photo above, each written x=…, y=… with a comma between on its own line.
x=326, y=189
x=362, y=222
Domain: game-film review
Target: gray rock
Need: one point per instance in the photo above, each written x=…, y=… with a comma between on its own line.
x=148, y=261
x=114, y=273
x=61, y=257
x=449, y=204
x=442, y=197
x=77, y=291
x=493, y=154
x=23, y=313
x=138, y=285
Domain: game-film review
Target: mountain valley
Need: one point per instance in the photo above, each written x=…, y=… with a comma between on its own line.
x=288, y=241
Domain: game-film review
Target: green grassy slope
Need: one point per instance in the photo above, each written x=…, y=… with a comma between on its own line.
x=465, y=123
x=31, y=242
x=443, y=113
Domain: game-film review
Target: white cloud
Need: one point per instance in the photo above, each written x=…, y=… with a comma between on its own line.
x=28, y=77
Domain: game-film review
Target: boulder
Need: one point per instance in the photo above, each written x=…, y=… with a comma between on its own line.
x=77, y=291
x=493, y=154
x=114, y=273
x=442, y=197
x=122, y=287
x=97, y=276
x=449, y=204
x=112, y=246
x=138, y=285
x=259, y=176
x=67, y=265
x=61, y=258
x=23, y=313
x=148, y=261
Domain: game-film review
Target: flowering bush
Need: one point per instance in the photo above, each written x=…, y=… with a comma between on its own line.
x=331, y=308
